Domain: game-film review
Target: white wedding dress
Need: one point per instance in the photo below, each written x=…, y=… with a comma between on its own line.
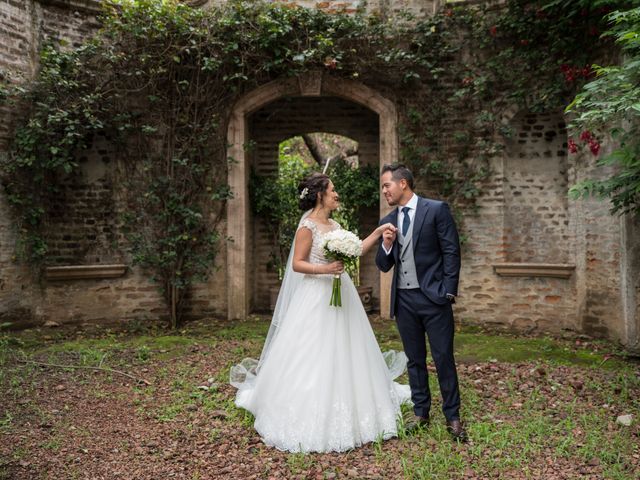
x=322, y=383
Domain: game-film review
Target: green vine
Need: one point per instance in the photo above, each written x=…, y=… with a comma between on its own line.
x=160, y=78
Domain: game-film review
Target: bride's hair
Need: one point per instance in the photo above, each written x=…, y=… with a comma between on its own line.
x=309, y=188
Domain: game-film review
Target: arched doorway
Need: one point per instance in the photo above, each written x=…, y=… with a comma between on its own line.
x=314, y=84
x=348, y=127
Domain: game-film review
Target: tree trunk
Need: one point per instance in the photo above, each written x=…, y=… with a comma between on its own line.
x=314, y=150
x=172, y=306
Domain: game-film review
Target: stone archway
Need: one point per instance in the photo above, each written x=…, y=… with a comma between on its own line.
x=313, y=84
x=286, y=119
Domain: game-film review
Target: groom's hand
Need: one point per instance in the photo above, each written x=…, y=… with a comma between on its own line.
x=389, y=236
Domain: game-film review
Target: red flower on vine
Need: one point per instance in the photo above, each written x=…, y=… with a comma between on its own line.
x=586, y=136
x=493, y=30
x=330, y=63
x=448, y=12
x=572, y=73
x=467, y=81
x=524, y=42
x=569, y=73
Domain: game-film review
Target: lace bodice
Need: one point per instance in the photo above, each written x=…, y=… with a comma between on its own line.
x=318, y=231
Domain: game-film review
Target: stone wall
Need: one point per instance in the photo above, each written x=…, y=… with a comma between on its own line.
x=84, y=215
x=630, y=285
x=599, y=255
x=523, y=223
x=527, y=223
x=24, y=26
x=535, y=260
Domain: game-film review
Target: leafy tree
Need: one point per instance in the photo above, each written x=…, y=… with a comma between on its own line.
x=611, y=104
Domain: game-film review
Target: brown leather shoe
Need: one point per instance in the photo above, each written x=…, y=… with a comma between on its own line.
x=457, y=431
x=415, y=422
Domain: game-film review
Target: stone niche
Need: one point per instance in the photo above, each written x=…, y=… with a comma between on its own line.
x=519, y=266
x=83, y=215
x=536, y=220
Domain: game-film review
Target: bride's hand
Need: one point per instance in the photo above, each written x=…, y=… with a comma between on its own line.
x=335, y=268
x=387, y=226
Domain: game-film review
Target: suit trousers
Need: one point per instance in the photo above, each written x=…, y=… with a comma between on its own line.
x=415, y=316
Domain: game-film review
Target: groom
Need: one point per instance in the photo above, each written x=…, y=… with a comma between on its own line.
x=425, y=251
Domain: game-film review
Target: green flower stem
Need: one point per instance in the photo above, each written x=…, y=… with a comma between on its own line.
x=336, y=295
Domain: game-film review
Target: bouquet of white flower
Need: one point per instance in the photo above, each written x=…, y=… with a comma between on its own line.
x=343, y=246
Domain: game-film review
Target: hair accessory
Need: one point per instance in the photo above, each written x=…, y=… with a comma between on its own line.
x=304, y=192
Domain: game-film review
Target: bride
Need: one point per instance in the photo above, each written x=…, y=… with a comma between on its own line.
x=321, y=384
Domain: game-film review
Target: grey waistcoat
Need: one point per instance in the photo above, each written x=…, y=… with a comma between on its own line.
x=406, y=267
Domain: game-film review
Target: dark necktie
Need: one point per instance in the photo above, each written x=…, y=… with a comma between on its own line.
x=406, y=221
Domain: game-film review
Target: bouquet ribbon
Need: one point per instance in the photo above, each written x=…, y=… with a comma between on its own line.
x=336, y=294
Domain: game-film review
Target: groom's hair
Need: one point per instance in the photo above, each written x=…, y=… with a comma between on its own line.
x=399, y=172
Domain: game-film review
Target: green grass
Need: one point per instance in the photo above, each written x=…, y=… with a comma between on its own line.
x=498, y=448
x=505, y=438
x=116, y=344
x=6, y=422
x=254, y=329
x=470, y=345
x=300, y=462
x=473, y=347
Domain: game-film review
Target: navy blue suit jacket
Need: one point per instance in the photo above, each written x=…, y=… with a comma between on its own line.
x=436, y=251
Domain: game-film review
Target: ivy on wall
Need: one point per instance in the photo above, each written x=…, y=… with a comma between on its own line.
x=160, y=78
